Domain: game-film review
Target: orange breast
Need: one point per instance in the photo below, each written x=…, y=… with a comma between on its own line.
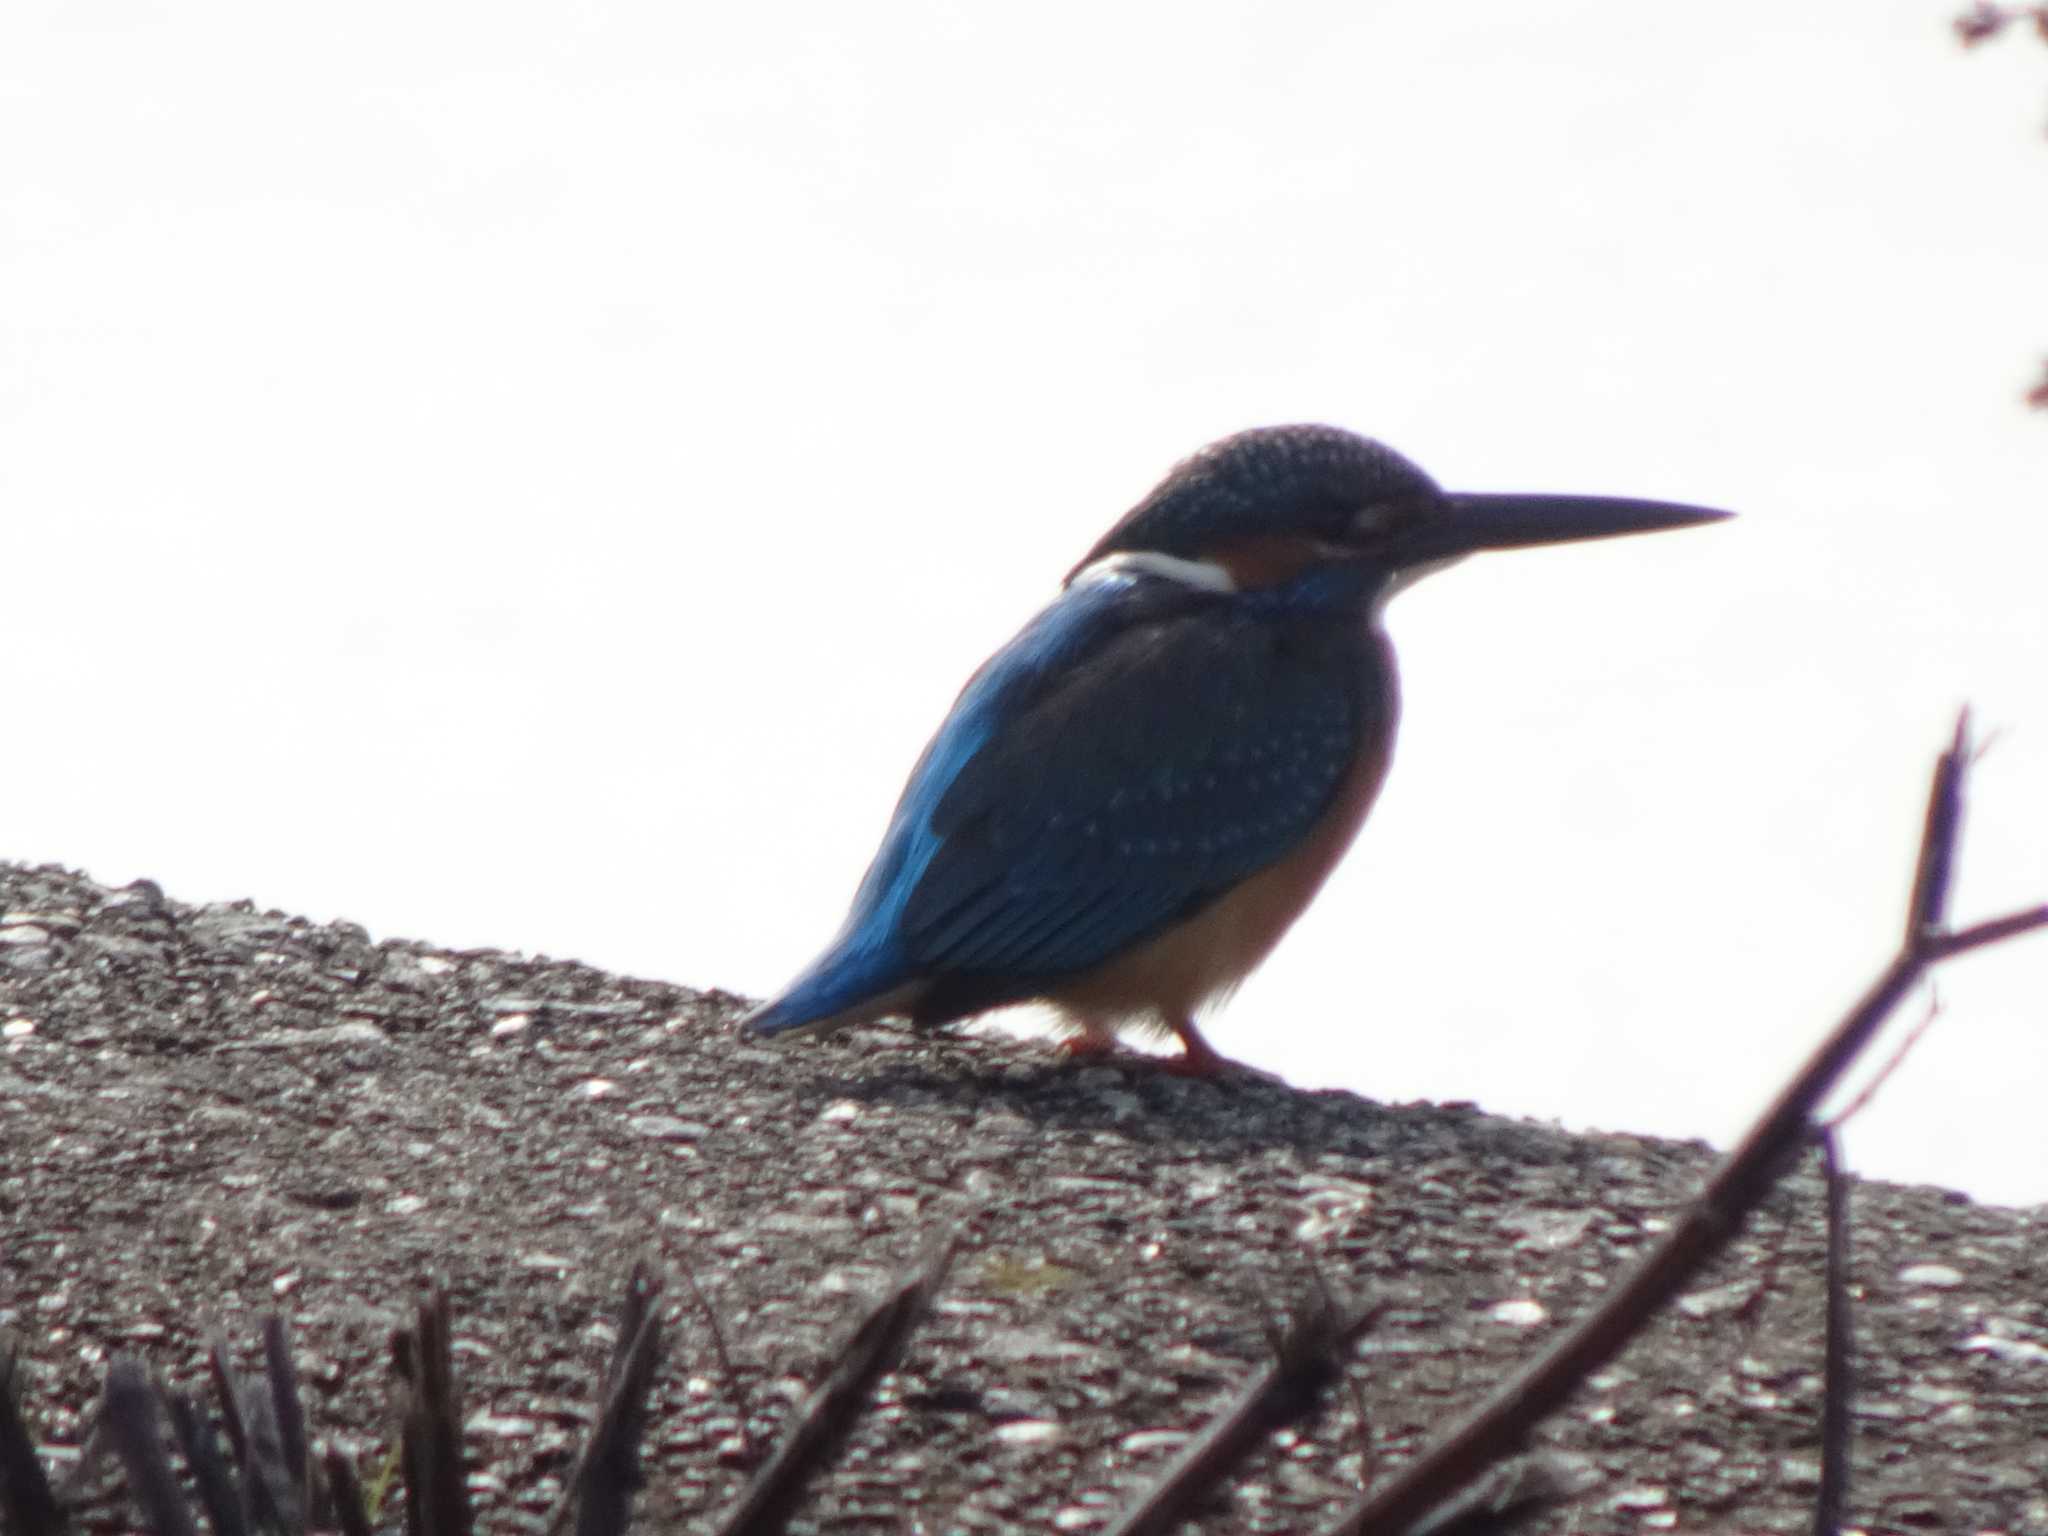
x=1173, y=975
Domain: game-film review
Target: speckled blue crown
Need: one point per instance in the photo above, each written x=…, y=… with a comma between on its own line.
x=1308, y=480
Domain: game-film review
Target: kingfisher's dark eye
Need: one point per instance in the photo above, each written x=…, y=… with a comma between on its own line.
x=1389, y=518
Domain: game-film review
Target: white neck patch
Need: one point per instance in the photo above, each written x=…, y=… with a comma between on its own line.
x=1400, y=581
x=1203, y=575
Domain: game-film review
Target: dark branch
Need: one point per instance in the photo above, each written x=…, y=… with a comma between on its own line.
x=130, y=1418
x=1927, y=910
x=1309, y=1357
x=1871, y=1089
x=1511, y=1494
x=26, y=1503
x=227, y=1397
x=292, y=1471
x=351, y=1514
x=830, y=1413
x=219, y=1494
x=436, y=1489
x=601, y=1489
x=1947, y=945
x=1838, y=1376
x=1738, y=1184
x=735, y=1389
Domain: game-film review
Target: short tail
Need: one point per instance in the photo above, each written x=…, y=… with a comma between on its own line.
x=838, y=990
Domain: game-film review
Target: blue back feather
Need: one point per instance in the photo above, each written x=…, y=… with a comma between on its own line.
x=1138, y=749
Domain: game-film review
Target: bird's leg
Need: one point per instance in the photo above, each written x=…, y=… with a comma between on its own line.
x=1091, y=1040
x=1198, y=1058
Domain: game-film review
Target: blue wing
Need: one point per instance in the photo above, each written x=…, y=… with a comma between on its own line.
x=1137, y=750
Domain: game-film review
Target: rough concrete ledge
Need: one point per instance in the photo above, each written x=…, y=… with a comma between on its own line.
x=210, y=1112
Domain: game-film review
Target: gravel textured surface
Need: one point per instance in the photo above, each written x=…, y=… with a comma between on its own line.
x=210, y=1112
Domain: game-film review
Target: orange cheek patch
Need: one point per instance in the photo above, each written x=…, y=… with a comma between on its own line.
x=1269, y=560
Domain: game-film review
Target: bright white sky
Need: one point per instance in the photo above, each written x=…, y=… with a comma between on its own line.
x=533, y=475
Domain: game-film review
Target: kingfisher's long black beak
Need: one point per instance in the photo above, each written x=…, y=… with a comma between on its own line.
x=1477, y=521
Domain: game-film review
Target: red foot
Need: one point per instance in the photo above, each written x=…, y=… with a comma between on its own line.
x=1198, y=1058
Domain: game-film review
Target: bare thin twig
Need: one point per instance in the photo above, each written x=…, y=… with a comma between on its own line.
x=283, y=1381
x=600, y=1490
x=1512, y=1493
x=1306, y=1359
x=1362, y=1415
x=436, y=1490
x=831, y=1411
x=220, y=1495
x=735, y=1389
x=268, y=1416
x=227, y=1397
x=26, y=1503
x=1838, y=1378
x=1737, y=1185
x=1893, y=1062
x=343, y=1487
x=129, y=1413
x=1934, y=870
x=269, y=1496
x=1996, y=931
x=1984, y=21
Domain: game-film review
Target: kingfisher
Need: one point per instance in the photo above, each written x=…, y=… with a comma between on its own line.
x=1134, y=798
